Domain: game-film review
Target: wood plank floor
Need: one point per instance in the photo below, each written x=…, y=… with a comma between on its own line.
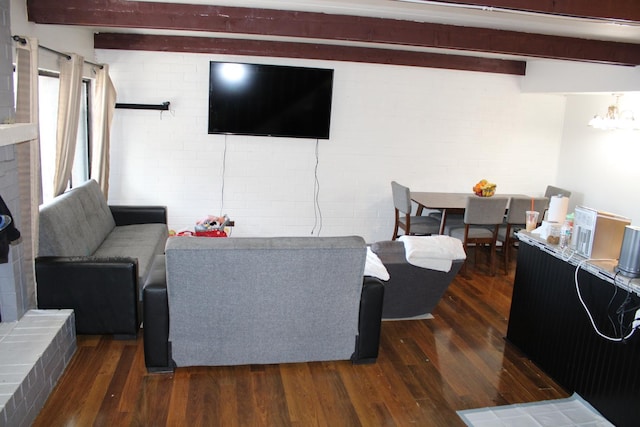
x=426, y=371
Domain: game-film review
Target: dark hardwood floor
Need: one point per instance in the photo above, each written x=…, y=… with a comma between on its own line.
x=426, y=371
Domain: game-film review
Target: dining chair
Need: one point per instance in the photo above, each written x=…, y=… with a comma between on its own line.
x=482, y=218
x=411, y=224
x=515, y=220
x=555, y=191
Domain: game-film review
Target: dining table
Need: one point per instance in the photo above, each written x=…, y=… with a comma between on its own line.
x=447, y=202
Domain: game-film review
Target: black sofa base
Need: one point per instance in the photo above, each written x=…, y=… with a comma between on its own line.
x=102, y=291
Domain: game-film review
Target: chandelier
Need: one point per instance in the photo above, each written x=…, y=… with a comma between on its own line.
x=615, y=119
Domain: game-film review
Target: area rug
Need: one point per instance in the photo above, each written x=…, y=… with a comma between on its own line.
x=569, y=412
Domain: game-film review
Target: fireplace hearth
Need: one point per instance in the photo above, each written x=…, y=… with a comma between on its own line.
x=34, y=353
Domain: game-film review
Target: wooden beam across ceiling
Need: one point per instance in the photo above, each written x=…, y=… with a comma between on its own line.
x=305, y=50
x=311, y=25
x=618, y=10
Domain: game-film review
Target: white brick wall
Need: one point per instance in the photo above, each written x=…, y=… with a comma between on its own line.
x=6, y=69
x=13, y=298
x=429, y=129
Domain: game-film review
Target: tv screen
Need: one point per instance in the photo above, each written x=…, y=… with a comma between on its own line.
x=272, y=100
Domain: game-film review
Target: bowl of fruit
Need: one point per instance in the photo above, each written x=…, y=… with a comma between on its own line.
x=484, y=188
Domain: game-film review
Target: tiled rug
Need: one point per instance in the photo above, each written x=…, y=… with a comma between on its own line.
x=573, y=411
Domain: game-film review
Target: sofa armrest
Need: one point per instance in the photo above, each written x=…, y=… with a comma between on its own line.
x=157, y=353
x=370, y=321
x=129, y=215
x=103, y=292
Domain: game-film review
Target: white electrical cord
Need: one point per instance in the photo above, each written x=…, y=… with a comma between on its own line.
x=223, y=172
x=316, y=194
x=635, y=324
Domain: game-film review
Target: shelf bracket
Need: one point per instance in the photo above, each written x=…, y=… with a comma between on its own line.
x=162, y=107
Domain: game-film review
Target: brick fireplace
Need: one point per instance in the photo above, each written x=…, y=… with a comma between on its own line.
x=15, y=297
x=35, y=345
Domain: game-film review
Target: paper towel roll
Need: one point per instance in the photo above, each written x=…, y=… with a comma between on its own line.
x=558, y=209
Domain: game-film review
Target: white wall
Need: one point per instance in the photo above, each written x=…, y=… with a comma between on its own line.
x=547, y=76
x=63, y=38
x=430, y=129
x=602, y=168
x=6, y=70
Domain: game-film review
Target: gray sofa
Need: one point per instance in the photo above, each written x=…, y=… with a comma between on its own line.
x=260, y=301
x=93, y=258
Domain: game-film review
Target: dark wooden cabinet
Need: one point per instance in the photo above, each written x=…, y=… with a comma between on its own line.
x=549, y=324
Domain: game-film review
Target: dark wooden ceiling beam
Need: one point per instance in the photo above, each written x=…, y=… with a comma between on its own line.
x=304, y=50
x=269, y=22
x=619, y=10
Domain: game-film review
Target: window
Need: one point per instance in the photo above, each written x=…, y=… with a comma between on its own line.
x=48, y=92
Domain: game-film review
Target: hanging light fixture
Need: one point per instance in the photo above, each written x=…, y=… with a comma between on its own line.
x=615, y=119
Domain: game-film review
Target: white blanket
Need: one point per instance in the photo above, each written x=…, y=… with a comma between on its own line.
x=434, y=252
x=374, y=267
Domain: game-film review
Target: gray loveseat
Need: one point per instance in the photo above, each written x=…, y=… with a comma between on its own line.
x=94, y=258
x=260, y=301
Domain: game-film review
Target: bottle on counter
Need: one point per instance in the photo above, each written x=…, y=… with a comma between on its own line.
x=565, y=234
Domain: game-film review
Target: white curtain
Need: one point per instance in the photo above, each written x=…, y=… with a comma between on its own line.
x=104, y=102
x=69, y=99
x=28, y=156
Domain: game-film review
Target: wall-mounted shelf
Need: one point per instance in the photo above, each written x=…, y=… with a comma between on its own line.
x=162, y=107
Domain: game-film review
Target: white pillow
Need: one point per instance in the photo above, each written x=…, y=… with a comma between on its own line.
x=374, y=267
x=432, y=252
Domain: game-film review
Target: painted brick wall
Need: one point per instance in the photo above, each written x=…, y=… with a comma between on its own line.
x=430, y=129
x=13, y=295
x=6, y=69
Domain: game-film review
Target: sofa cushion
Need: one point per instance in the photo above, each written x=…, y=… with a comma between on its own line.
x=75, y=223
x=141, y=241
x=390, y=247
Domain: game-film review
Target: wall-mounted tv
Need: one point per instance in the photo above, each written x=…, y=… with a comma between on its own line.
x=270, y=100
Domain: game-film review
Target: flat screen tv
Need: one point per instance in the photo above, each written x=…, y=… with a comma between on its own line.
x=270, y=100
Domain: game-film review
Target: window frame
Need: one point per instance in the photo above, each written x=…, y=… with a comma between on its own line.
x=83, y=141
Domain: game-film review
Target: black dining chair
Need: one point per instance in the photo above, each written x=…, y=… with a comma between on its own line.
x=411, y=224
